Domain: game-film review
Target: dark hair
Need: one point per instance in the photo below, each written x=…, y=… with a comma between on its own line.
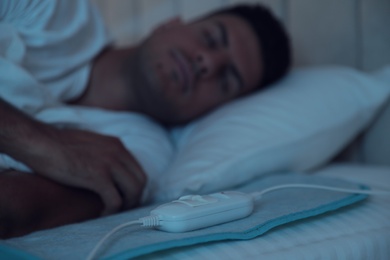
x=273, y=38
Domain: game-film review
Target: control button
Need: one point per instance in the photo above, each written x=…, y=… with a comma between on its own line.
x=191, y=203
x=196, y=200
x=206, y=199
x=186, y=197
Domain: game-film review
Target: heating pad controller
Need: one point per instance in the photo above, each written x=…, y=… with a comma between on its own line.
x=193, y=212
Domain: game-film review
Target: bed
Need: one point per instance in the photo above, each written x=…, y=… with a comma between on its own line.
x=335, y=127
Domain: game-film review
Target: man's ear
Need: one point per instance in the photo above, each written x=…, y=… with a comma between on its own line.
x=173, y=22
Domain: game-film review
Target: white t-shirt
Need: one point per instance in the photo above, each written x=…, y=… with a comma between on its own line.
x=46, y=49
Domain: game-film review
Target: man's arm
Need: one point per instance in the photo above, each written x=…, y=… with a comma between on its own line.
x=72, y=157
x=29, y=203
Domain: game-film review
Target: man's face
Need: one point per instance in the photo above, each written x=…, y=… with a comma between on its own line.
x=186, y=70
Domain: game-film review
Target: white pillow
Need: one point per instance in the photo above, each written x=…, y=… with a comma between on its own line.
x=297, y=124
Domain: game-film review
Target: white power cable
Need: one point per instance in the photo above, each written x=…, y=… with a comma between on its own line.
x=94, y=251
x=258, y=195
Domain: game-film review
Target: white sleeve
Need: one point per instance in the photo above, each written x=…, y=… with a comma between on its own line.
x=47, y=47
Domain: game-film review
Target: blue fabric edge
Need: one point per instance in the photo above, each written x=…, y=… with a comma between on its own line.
x=249, y=234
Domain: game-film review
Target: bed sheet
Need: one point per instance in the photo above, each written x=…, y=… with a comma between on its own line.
x=361, y=232
x=356, y=232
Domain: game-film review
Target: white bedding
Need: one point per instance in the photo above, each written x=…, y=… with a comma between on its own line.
x=359, y=232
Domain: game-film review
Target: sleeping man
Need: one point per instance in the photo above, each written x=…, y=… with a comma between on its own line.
x=57, y=52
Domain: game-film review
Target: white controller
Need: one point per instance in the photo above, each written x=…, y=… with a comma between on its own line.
x=193, y=212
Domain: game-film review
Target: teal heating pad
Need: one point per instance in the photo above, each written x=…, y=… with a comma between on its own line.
x=273, y=210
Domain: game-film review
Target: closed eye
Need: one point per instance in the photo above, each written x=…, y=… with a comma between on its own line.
x=223, y=34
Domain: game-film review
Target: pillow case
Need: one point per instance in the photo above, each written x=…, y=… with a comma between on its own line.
x=297, y=124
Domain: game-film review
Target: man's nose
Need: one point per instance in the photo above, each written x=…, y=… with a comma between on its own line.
x=209, y=62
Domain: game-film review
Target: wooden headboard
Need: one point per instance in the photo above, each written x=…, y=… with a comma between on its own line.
x=354, y=33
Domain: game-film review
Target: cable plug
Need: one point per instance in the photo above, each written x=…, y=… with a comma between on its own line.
x=150, y=221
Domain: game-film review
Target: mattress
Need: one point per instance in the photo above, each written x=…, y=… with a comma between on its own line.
x=358, y=232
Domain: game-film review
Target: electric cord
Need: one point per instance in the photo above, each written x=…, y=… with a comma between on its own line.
x=154, y=220
x=259, y=194
x=148, y=221
x=93, y=253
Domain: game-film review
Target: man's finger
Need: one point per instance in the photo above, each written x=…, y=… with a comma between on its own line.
x=129, y=186
x=135, y=168
x=111, y=198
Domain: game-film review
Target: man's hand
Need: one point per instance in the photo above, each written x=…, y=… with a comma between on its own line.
x=92, y=161
x=73, y=157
